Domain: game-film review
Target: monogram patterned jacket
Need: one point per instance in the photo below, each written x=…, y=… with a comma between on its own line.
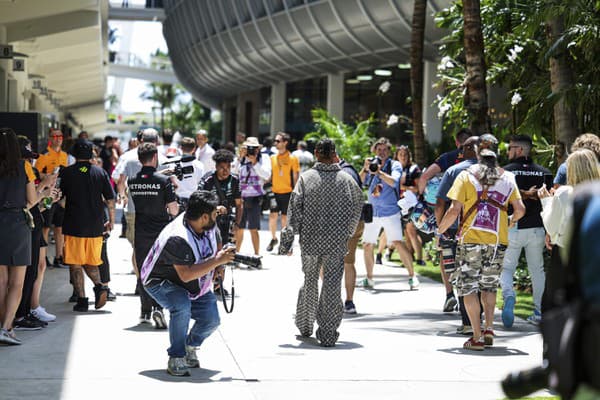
x=324, y=210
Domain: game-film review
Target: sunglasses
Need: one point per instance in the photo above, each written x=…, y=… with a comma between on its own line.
x=56, y=136
x=277, y=141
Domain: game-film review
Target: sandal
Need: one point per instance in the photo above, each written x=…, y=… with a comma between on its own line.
x=471, y=344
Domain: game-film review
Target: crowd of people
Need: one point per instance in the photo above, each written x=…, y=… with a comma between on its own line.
x=186, y=208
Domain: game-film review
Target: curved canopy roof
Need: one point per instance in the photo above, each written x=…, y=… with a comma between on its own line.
x=223, y=47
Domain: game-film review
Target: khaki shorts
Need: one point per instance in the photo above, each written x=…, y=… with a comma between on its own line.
x=130, y=233
x=83, y=250
x=479, y=267
x=350, y=257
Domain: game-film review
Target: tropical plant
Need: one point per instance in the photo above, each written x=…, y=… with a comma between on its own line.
x=164, y=94
x=518, y=53
x=353, y=143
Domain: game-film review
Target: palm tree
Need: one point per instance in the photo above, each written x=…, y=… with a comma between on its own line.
x=476, y=94
x=561, y=80
x=164, y=94
x=416, y=78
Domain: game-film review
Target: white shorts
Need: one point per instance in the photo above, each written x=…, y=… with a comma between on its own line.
x=392, y=226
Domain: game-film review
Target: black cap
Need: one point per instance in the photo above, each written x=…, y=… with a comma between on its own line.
x=27, y=153
x=82, y=150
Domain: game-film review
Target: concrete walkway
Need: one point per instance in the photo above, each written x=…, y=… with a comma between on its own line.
x=400, y=345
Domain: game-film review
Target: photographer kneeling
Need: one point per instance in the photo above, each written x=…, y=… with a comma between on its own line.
x=178, y=274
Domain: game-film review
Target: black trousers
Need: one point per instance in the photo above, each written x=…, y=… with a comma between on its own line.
x=31, y=273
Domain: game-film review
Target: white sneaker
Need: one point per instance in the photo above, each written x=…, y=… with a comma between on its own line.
x=413, y=282
x=366, y=283
x=41, y=314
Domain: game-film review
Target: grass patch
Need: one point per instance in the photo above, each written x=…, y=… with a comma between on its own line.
x=524, y=304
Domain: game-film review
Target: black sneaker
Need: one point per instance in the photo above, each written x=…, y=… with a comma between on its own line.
x=74, y=297
x=378, y=259
x=25, y=324
x=101, y=295
x=36, y=320
x=111, y=296
x=450, y=303
x=82, y=304
x=159, y=319
x=59, y=263
x=272, y=244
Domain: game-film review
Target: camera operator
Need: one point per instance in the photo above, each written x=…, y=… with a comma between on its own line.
x=155, y=204
x=381, y=174
x=192, y=171
x=178, y=274
x=227, y=189
x=254, y=170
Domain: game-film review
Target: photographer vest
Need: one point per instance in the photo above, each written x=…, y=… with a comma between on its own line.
x=179, y=244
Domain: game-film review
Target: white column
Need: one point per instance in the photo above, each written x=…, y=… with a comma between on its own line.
x=335, y=95
x=278, y=103
x=431, y=123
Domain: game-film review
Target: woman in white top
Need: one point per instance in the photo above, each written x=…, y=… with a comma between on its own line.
x=582, y=165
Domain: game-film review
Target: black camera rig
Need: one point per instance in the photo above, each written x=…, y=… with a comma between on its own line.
x=180, y=170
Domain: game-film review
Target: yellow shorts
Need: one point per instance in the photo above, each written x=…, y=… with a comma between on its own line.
x=83, y=250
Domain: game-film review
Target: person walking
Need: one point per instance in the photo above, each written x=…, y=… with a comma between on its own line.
x=285, y=170
x=324, y=211
x=17, y=195
x=481, y=194
x=86, y=187
x=529, y=233
x=155, y=205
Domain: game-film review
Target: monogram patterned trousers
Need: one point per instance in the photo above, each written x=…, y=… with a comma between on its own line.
x=327, y=308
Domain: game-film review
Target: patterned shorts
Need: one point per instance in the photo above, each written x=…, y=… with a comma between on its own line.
x=479, y=267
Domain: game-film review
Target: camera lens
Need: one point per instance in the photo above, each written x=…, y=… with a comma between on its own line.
x=374, y=165
x=251, y=151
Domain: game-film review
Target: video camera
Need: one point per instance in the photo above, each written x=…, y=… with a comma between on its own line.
x=181, y=170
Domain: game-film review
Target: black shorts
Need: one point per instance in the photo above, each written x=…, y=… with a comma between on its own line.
x=15, y=238
x=252, y=212
x=283, y=200
x=54, y=216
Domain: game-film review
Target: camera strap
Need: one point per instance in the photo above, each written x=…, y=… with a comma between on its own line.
x=228, y=307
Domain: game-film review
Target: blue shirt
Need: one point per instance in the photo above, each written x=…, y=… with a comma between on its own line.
x=386, y=203
x=450, y=176
x=589, y=252
x=449, y=159
x=561, y=174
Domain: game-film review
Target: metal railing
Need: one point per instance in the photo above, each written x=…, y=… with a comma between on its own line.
x=137, y=61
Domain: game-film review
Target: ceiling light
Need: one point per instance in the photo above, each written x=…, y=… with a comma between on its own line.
x=364, y=77
x=383, y=72
x=352, y=81
x=404, y=66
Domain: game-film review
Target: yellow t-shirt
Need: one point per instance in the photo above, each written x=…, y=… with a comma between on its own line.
x=480, y=231
x=52, y=159
x=282, y=166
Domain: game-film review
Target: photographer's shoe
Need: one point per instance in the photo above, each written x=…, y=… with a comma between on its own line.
x=413, y=282
x=272, y=244
x=378, y=259
x=191, y=358
x=177, y=367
